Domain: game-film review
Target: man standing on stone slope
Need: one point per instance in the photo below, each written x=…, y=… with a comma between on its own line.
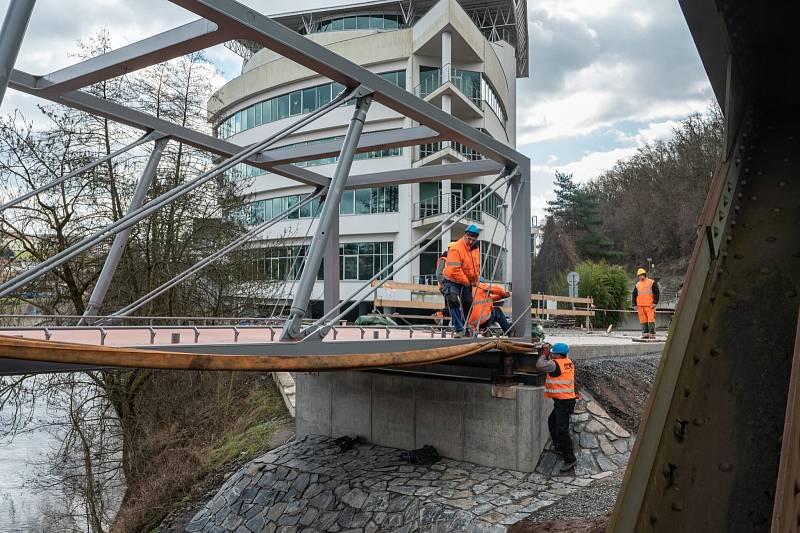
x=560, y=386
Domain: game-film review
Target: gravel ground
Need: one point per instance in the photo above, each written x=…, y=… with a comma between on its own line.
x=620, y=384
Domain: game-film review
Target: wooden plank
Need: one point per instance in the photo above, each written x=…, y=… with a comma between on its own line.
x=406, y=304
x=413, y=287
x=567, y=299
x=562, y=312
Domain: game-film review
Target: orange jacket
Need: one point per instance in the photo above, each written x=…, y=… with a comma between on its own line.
x=483, y=297
x=563, y=386
x=644, y=293
x=463, y=265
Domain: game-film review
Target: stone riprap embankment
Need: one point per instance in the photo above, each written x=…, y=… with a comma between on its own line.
x=307, y=485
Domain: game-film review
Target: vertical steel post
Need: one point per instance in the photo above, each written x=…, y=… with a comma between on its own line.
x=330, y=211
x=330, y=268
x=521, y=254
x=14, y=25
x=121, y=239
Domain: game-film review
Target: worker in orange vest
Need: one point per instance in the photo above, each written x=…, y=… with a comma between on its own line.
x=462, y=270
x=644, y=299
x=560, y=386
x=484, y=312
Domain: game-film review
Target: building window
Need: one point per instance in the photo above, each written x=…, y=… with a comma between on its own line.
x=369, y=201
x=359, y=201
x=489, y=255
x=288, y=105
x=360, y=22
x=363, y=260
x=357, y=261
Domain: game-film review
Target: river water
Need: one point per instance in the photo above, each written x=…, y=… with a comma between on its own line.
x=21, y=505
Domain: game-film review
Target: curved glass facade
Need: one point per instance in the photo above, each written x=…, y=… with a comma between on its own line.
x=290, y=104
x=373, y=21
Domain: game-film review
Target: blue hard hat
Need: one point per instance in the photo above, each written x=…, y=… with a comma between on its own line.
x=482, y=279
x=472, y=228
x=560, y=348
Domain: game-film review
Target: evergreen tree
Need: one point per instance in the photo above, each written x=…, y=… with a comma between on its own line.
x=556, y=256
x=576, y=209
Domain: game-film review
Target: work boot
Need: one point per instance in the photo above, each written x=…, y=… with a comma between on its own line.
x=569, y=464
x=459, y=334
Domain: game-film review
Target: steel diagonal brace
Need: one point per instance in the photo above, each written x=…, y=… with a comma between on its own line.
x=146, y=210
x=27, y=83
x=328, y=217
x=249, y=24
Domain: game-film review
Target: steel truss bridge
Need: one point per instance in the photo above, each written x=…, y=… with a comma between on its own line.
x=719, y=449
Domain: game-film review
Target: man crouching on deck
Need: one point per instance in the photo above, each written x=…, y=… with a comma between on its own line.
x=560, y=386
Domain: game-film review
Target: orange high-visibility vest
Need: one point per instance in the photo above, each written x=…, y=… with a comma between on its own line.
x=463, y=265
x=644, y=292
x=563, y=386
x=483, y=298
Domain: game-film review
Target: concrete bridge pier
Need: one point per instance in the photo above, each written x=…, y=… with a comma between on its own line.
x=486, y=424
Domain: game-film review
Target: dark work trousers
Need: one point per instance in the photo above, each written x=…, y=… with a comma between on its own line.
x=457, y=313
x=558, y=423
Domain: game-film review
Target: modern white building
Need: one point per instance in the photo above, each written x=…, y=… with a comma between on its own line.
x=462, y=56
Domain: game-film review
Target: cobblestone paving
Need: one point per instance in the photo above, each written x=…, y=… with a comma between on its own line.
x=601, y=445
x=308, y=486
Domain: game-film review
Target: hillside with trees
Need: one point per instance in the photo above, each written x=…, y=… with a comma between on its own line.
x=646, y=206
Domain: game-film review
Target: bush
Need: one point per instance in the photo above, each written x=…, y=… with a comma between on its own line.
x=607, y=285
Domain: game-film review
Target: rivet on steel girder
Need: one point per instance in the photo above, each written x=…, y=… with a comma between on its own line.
x=764, y=271
x=677, y=506
x=653, y=519
x=776, y=209
x=754, y=198
x=714, y=352
x=687, y=392
x=705, y=326
x=725, y=467
x=771, y=239
x=699, y=422
x=696, y=358
x=738, y=256
x=781, y=184
x=728, y=294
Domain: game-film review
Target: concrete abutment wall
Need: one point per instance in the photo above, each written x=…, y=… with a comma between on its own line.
x=462, y=420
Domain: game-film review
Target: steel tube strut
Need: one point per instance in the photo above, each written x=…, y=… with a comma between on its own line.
x=146, y=210
x=14, y=25
x=521, y=254
x=233, y=245
x=330, y=210
x=121, y=240
x=143, y=139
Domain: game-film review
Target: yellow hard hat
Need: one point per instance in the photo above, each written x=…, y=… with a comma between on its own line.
x=641, y=271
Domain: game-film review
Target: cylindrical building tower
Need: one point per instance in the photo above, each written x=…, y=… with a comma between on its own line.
x=460, y=56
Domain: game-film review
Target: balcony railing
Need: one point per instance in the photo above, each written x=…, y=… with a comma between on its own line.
x=467, y=82
x=429, y=149
x=435, y=206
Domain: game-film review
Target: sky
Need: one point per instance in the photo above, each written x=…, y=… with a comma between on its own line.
x=606, y=76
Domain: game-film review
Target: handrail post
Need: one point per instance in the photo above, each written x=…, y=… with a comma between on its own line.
x=330, y=210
